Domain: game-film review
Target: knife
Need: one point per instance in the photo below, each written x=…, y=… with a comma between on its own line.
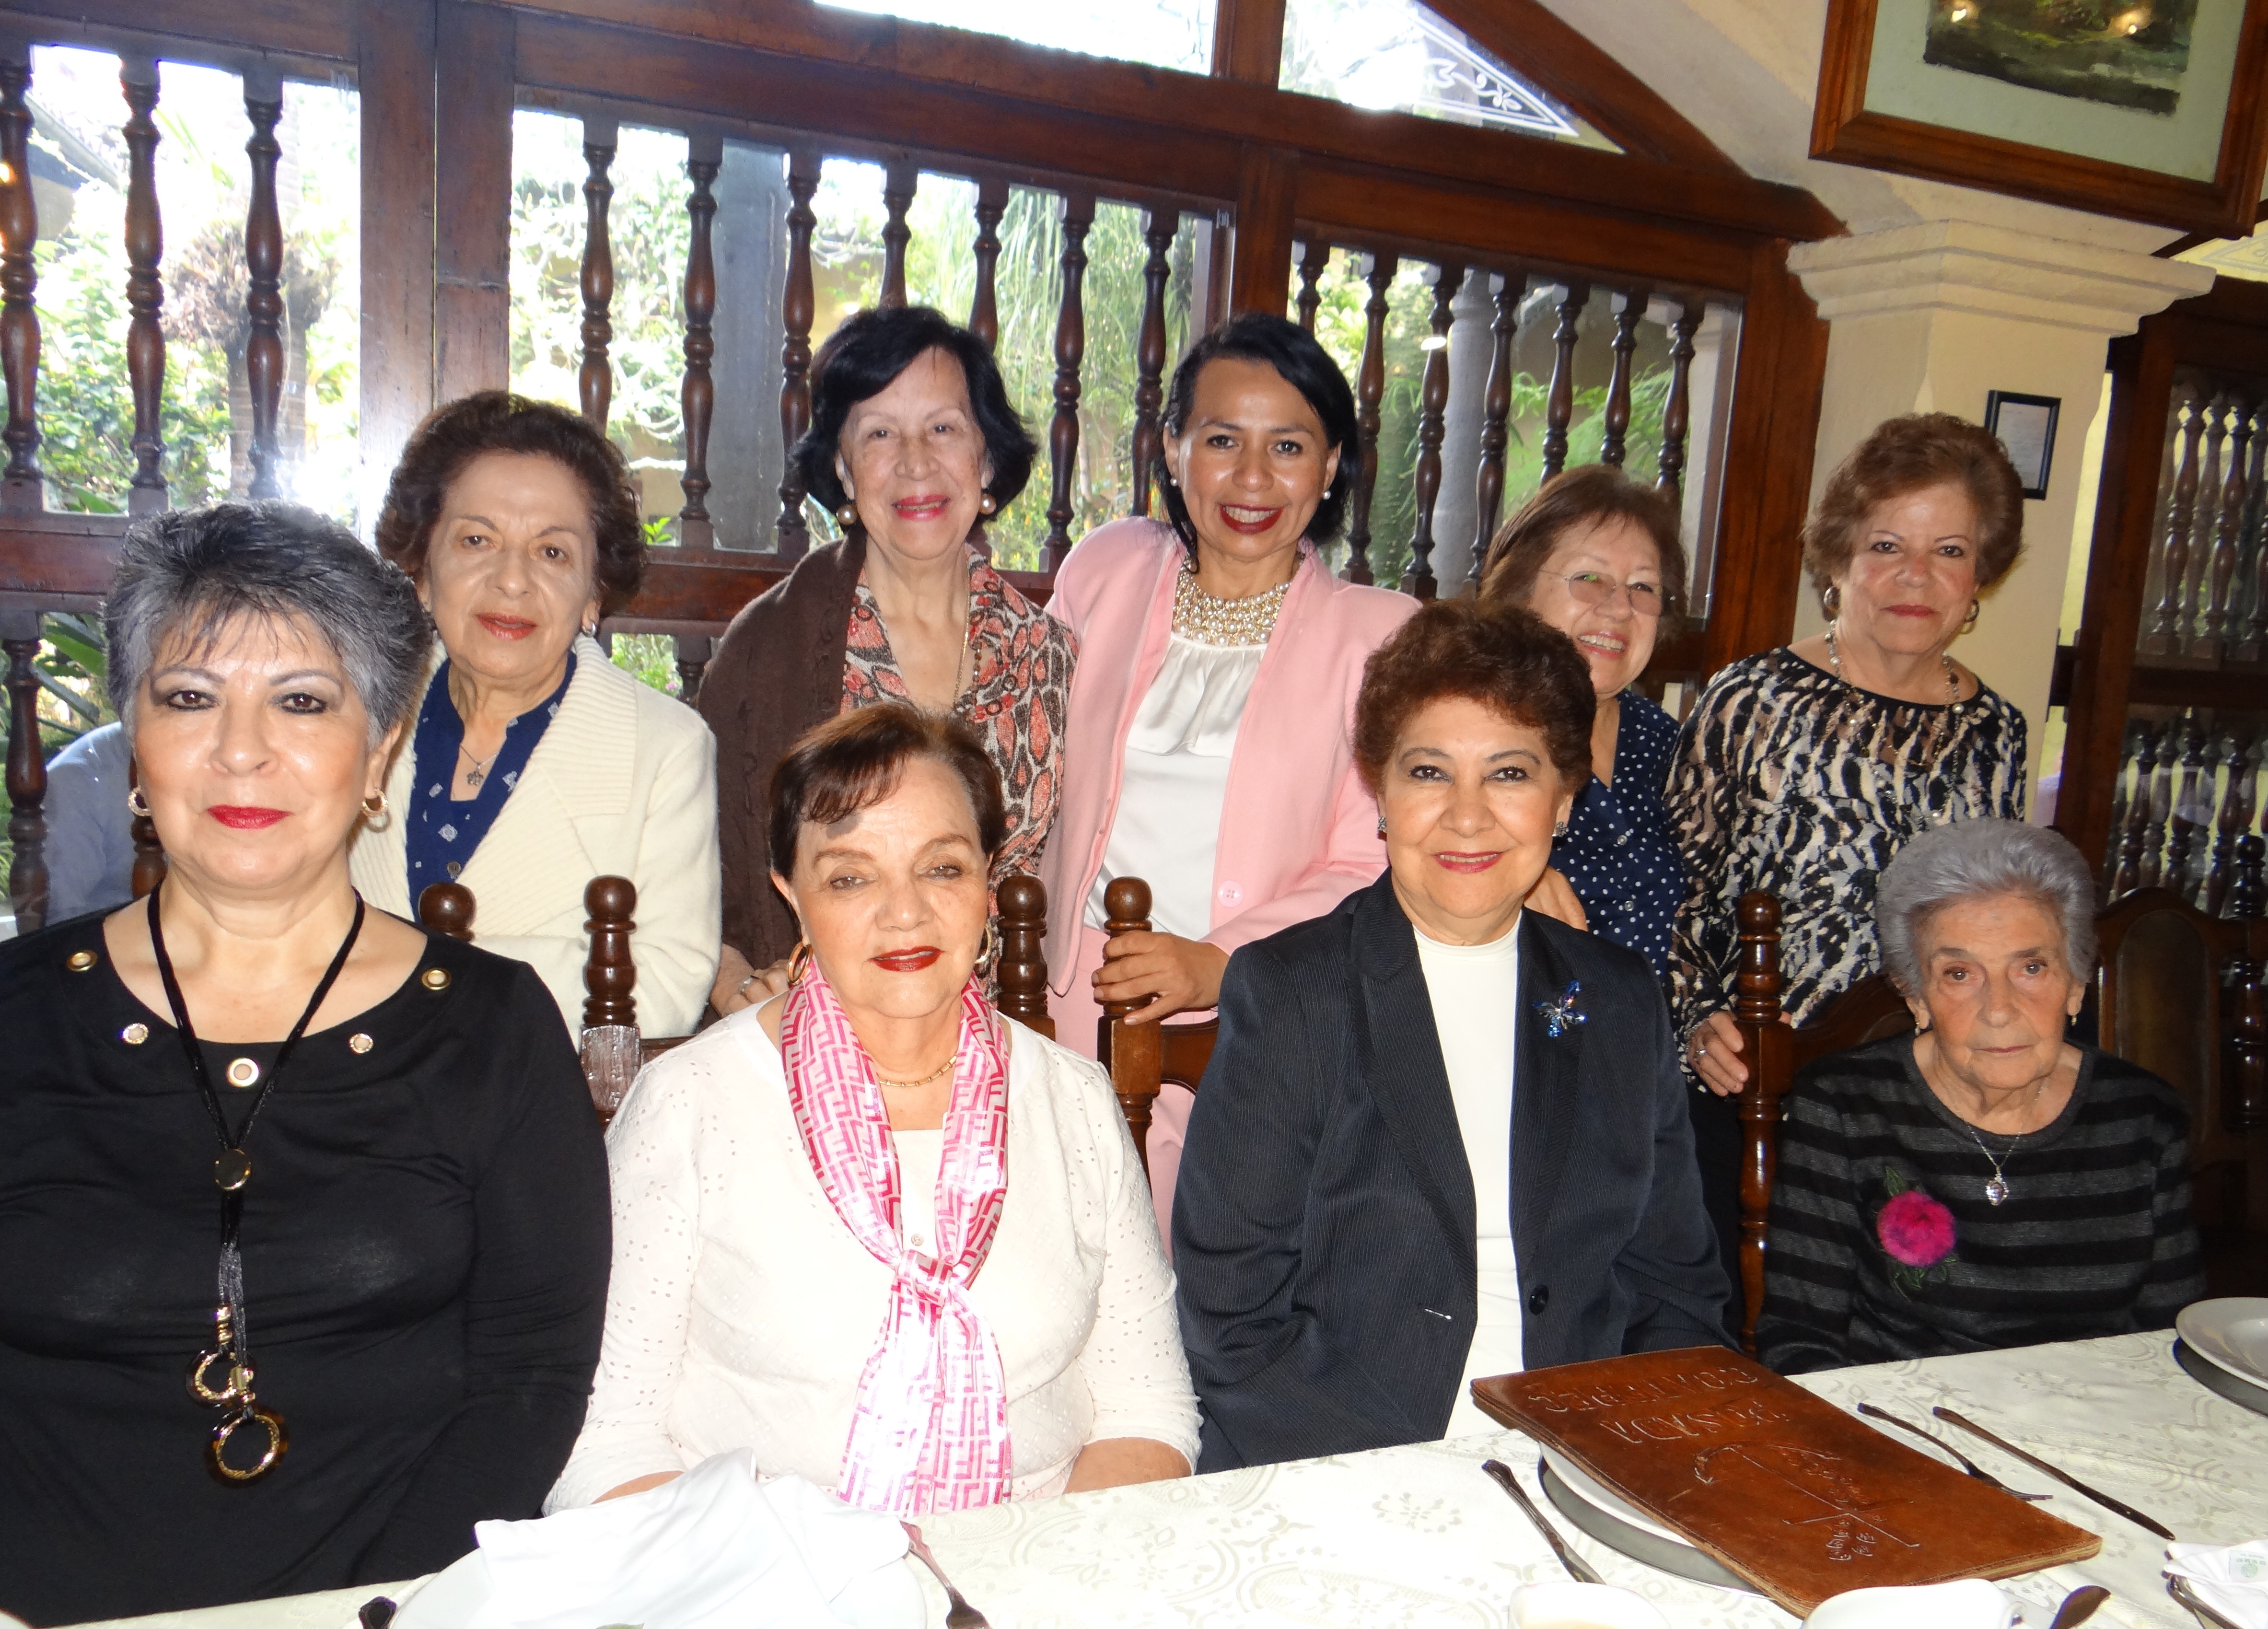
x=2115, y=1507
x=1581, y=1571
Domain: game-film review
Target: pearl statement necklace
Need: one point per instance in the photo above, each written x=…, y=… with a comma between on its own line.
x=1207, y=619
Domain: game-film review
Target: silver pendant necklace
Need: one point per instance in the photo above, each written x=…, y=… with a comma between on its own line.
x=1997, y=1190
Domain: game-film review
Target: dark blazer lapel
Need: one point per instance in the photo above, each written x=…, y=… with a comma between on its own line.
x=1545, y=1091
x=1400, y=1055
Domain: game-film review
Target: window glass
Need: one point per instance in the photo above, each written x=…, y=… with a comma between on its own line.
x=1398, y=55
x=1166, y=33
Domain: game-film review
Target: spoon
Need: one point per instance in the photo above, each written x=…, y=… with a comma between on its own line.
x=2079, y=1606
x=1578, y=1569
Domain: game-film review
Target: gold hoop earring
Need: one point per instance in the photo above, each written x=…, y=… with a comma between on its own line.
x=378, y=798
x=590, y=630
x=847, y=516
x=989, y=956
x=798, y=962
x=1976, y=606
x=137, y=805
x=1830, y=601
x=988, y=505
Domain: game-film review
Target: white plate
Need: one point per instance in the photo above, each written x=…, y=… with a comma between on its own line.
x=2231, y=1333
x=1591, y=1494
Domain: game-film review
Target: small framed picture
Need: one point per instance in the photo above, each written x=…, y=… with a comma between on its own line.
x=2026, y=426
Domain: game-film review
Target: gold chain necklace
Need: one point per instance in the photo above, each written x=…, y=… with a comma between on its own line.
x=935, y=1074
x=1208, y=619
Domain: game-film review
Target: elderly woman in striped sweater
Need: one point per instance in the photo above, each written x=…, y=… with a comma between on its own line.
x=1987, y=1183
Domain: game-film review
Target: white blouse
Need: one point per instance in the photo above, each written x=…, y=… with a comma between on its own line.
x=1475, y=991
x=741, y=1312
x=1175, y=783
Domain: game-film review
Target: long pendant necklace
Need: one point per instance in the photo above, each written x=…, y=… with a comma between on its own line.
x=232, y=1350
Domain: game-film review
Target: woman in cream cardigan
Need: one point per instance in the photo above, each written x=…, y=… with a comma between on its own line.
x=534, y=763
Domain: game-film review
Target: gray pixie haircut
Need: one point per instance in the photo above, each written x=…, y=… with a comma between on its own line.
x=1981, y=859
x=192, y=570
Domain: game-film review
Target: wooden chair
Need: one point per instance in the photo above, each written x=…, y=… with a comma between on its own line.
x=1870, y=1010
x=1142, y=1057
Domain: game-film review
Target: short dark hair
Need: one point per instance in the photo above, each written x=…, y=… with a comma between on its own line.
x=854, y=760
x=1505, y=657
x=496, y=421
x=1588, y=496
x=871, y=349
x=194, y=570
x=1293, y=352
x=1905, y=455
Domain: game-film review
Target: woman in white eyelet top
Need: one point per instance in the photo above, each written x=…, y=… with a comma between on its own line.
x=742, y=1313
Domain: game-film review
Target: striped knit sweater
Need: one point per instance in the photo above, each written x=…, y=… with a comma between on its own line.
x=2094, y=1237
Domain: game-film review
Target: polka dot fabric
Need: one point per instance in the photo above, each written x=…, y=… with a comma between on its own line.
x=1616, y=852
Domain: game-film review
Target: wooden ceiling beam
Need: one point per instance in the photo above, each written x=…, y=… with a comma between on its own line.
x=209, y=30
x=787, y=64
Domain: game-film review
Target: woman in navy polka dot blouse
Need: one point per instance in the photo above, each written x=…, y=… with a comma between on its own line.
x=1596, y=554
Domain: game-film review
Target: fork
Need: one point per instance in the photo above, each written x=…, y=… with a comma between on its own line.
x=1940, y=1443
x=959, y=1614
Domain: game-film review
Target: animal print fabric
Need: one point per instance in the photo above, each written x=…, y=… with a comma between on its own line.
x=1788, y=779
x=1017, y=696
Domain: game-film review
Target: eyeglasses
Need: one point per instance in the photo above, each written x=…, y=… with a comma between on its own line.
x=1590, y=588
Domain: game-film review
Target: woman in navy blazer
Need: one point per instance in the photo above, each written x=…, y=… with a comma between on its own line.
x=1442, y=1136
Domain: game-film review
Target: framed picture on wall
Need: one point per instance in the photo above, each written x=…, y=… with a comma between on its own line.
x=2155, y=110
x=2026, y=426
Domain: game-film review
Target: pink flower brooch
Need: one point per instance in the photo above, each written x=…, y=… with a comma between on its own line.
x=1916, y=1233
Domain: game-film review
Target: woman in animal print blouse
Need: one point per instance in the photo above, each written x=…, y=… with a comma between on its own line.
x=1804, y=769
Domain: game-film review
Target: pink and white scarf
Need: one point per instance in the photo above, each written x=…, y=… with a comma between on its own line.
x=931, y=1431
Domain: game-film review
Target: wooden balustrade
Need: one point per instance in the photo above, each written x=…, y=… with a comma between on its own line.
x=1676, y=408
x=900, y=181
x=1070, y=350
x=985, y=304
x=1369, y=393
x=1432, y=407
x=1496, y=425
x=263, y=264
x=1559, y=403
x=704, y=157
x=2208, y=558
x=21, y=487
x=798, y=307
x=2186, y=798
x=2213, y=641
x=1615, y=417
x=1314, y=260
x=596, y=379
x=145, y=291
x=1150, y=354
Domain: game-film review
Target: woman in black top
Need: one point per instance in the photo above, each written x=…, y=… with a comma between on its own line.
x=1984, y=1184
x=364, y=1223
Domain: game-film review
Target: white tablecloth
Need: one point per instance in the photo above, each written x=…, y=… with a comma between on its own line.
x=1418, y=1537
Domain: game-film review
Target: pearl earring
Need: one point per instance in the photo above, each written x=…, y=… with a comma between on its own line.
x=987, y=505
x=847, y=516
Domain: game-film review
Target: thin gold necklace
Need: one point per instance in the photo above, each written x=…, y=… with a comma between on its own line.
x=934, y=1074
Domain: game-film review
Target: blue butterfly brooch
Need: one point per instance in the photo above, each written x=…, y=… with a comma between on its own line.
x=1566, y=1013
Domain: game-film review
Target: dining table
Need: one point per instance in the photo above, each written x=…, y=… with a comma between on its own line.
x=1418, y=1535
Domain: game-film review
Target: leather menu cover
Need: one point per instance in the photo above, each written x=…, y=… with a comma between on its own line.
x=1799, y=1497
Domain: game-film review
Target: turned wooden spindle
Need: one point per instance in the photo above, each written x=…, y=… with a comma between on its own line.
x=798, y=307
x=698, y=395
x=694, y=650
x=1560, y=400
x=2166, y=632
x=146, y=293
x=1022, y=972
x=2161, y=805
x=1133, y=1053
x=2181, y=836
x=1071, y=350
x=2249, y=643
x=1314, y=260
x=27, y=772
x=2141, y=753
x=1615, y=417
x=596, y=380
x=609, y=975
x=2217, y=631
x=1496, y=433
x=1150, y=356
x=263, y=298
x=1417, y=580
x=900, y=180
x=1369, y=392
x=1763, y=1040
x=446, y=908
x=1677, y=406
x=20, y=485
x=984, y=302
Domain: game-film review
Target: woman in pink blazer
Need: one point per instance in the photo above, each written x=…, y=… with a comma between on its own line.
x=1207, y=748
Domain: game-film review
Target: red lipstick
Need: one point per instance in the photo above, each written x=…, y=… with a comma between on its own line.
x=924, y=506
x=1468, y=863
x=1265, y=522
x=908, y=960
x=244, y=817
x=506, y=627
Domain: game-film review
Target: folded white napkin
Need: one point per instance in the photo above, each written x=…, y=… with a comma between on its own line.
x=716, y=1549
x=2231, y=1578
